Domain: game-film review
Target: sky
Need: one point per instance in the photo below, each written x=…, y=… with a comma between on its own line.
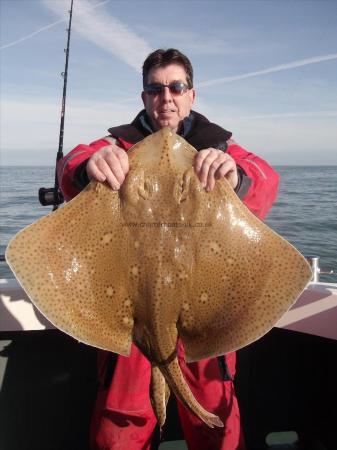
x=265, y=70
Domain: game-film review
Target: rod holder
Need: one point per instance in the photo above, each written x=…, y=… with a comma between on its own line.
x=314, y=264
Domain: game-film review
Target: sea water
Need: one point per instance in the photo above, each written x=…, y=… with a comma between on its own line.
x=305, y=212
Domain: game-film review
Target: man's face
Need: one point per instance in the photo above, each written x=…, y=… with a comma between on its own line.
x=166, y=109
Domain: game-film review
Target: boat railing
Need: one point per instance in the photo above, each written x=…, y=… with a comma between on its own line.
x=316, y=269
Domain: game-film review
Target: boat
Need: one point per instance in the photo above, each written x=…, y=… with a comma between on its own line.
x=286, y=381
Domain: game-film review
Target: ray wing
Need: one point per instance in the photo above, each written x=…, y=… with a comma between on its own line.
x=245, y=277
x=72, y=264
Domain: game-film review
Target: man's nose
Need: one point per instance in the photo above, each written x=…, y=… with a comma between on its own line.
x=166, y=94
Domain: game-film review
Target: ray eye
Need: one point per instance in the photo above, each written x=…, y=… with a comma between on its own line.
x=183, y=187
x=145, y=190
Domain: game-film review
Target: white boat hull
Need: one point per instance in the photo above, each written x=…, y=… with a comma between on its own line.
x=315, y=311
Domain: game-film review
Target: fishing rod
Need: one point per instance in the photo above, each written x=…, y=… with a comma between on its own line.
x=53, y=196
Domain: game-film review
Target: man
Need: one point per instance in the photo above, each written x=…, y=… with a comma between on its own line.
x=123, y=417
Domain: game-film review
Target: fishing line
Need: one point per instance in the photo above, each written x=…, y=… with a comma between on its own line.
x=53, y=196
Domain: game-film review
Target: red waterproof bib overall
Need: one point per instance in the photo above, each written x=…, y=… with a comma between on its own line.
x=123, y=418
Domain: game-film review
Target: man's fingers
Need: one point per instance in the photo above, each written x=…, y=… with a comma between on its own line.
x=105, y=169
x=94, y=172
x=124, y=161
x=213, y=169
x=223, y=169
x=229, y=171
x=199, y=160
x=115, y=167
x=208, y=162
x=212, y=164
x=118, y=161
x=207, y=157
x=110, y=164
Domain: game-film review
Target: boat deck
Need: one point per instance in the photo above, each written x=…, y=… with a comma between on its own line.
x=286, y=381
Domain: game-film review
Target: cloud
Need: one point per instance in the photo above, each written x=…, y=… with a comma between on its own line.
x=287, y=140
x=28, y=36
x=46, y=27
x=303, y=114
x=290, y=139
x=105, y=31
x=99, y=28
x=278, y=68
x=40, y=121
x=193, y=42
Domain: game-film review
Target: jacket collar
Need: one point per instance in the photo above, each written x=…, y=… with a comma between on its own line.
x=196, y=129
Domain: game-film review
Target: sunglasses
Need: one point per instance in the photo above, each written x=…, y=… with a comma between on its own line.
x=176, y=88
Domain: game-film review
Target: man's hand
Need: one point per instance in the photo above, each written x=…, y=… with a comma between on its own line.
x=111, y=164
x=212, y=164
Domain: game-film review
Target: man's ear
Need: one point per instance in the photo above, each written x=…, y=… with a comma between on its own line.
x=191, y=93
x=143, y=97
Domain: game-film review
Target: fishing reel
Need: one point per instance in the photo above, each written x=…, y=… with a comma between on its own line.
x=50, y=196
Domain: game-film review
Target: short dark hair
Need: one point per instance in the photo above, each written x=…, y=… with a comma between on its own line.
x=162, y=58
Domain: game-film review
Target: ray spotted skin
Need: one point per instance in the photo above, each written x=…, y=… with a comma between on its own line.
x=159, y=260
